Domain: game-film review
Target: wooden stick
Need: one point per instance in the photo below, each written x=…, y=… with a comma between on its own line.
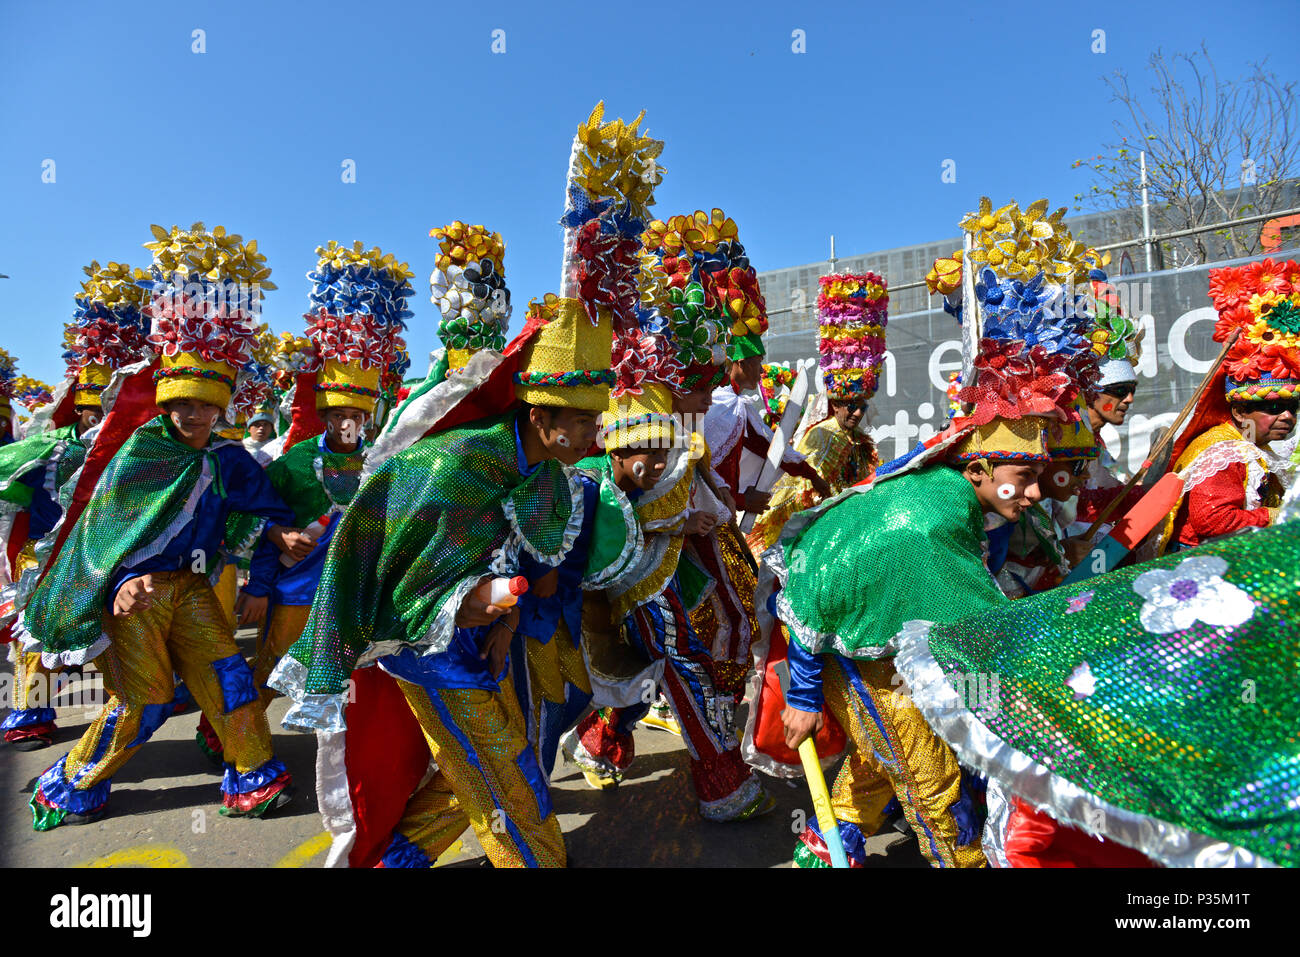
x=1167, y=440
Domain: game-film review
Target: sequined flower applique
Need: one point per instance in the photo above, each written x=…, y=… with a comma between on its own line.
x=1194, y=591
x=1079, y=602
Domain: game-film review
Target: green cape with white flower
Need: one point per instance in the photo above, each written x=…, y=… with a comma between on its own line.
x=1155, y=706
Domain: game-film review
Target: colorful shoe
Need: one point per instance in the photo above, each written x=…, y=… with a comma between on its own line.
x=763, y=804
x=662, y=719
x=206, y=738
x=599, y=774
x=256, y=793
x=33, y=737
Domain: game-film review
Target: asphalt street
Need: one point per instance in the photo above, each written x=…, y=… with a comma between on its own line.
x=164, y=812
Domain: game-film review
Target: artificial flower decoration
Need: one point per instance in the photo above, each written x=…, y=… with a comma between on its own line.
x=468, y=286
x=853, y=312
x=358, y=305
x=774, y=385
x=1195, y=590
x=944, y=277
x=639, y=360
x=195, y=253
x=8, y=374
x=32, y=393
x=699, y=332
x=204, y=293
x=610, y=187
x=109, y=325
x=1082, y=681
x=1258, y=302
x=461, y=245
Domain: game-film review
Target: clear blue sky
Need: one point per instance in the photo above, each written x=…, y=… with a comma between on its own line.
x=846, y=138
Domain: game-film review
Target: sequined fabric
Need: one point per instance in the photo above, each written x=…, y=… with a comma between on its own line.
x=724, y=621
x=143, y=490
x=836, y=457
x=1170, y=697
x=424, y=526
x=897, y=754
x=909, y=547
x=182, y=631
x=487, y=777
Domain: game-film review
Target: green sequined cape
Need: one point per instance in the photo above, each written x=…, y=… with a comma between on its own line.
x=311, y=480
x=859, y=566
x=35, y=451
x=138, y=505
x=423, y=529
x=1183, y=742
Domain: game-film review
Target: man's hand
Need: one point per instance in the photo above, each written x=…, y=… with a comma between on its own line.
x=497, y=644
x=474, y=612
x=251, y=609
x=799, y=725
x=700, y=523
x=545, y=586
x=1076, y=549
x=821, y=486
x=756, y=501
x=727, y=500
x=134, y=595
x=291, y=541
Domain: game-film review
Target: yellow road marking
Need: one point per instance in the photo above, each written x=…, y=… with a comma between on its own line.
x=305, y=851
x=146, y=855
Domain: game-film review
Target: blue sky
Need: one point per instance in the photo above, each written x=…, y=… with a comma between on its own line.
x=848, y=137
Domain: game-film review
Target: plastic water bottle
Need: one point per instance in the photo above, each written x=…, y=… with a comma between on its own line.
x=502, y=592
x=313, y=531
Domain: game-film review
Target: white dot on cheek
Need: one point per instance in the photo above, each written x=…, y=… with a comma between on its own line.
x=1006, y=491
x=562, y=440
x=638, y=470
x=1060, y=479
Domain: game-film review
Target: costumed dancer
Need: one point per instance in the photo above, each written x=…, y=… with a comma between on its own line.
x=123, y=590
x=1230, y=480
x=853, y=313
x=706, y=249
x=255, y=402
x=107, y=332
x=849, y=581
x=1034, y=554
x=459, y=499
x=577, y=648
x=456, y=508
x=358, y=311
x=261, y=430
x=851, y=351
x=657, y=606
x=1117, y=341
x=1147, y=714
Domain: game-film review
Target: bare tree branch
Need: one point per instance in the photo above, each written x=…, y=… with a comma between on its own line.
x=1217, y=150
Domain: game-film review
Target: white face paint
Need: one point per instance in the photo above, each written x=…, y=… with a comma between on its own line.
x=638, y=470
x=562, y=440
x=1006, y=491
x=92, y=420
x=1060, y=479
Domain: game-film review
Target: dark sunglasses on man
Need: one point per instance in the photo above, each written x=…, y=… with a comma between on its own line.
x=1120, y=390
x=1276, y=406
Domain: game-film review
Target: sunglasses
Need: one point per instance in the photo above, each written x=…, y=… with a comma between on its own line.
x=1120, y=390
x=1276, y=406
